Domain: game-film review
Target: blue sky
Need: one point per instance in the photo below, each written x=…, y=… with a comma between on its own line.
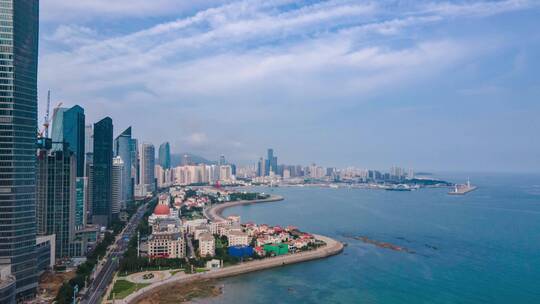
x=430, y=85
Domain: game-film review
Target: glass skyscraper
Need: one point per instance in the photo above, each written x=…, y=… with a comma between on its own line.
x=165, y=155
x=122, y=148
x=68, y=127
x=102, y=172
x=19, y=26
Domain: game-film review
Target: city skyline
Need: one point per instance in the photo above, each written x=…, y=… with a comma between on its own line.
x=437, y=86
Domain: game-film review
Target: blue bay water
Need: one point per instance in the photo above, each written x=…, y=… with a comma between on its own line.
x=483, y=247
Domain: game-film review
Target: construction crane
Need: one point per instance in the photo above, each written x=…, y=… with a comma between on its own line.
x=46, y=119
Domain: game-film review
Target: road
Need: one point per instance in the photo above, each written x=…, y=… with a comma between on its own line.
x=98, y=286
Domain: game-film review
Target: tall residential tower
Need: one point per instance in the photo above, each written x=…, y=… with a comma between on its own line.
x=148, y=159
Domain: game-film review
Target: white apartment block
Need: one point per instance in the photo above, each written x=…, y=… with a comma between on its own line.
x=207, y=245
x=237, y=238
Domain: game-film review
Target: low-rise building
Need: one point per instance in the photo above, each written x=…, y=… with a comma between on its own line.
x=7, y=285
x=200, y=230
x=166, y=240
x=214, y=264
x=189, y=226
x=234, y=218
x=45, y=252
x=218, y=226
x=238, y=238
x=207, y=245
x=166, y=245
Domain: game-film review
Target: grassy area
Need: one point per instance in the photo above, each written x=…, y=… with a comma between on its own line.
x=173, y=272
x=123, y=288
x=183, y=292
x=198, y=269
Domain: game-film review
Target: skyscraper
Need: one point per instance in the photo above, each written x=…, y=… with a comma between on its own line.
x=260, y=167
x=222, y=160
x=68, y=127
x=88, y=147
x=81, y=202
x=164, y=156
x=19, y=26
x=122, y=148
x=56, y=198
x=117, y=186
x=135, y=162
x=271, y=162
x=148, y=159
x=102, y=172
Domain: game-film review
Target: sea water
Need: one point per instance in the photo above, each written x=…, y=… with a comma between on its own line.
x=483, y=247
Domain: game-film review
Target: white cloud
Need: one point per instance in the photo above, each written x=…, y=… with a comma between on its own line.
x=243, y=58
x=55, y=10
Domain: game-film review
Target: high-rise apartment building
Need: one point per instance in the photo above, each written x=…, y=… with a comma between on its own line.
x=164, y=156
x=135, y=161
x=102, y=172
x=81, y=202
x=19, y=24
x=148, y=159
x=88, y=147
x=68, y=127
x=260, y=167
x=123, y=149
x=56, y=199
x=117, y=186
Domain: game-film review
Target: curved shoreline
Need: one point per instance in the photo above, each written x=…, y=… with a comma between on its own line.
x=215, y=213
x=331, y=248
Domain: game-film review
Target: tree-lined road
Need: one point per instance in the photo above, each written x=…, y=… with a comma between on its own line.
x=98, y=286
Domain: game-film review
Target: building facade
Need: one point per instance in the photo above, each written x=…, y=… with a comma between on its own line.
x=19, y=24
x=164, y=156
x=122, y=149
x=102, y=172
x=68, y=127
x=166, y=245
x=148, y=159
x=81, y=202
x=56, y=196
x=207, y=245
x=117, y=187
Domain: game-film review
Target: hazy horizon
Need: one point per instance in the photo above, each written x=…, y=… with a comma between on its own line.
x=433, y=86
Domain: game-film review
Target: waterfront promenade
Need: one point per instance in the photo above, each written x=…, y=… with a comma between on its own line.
x=331, y=248
x=214, y=213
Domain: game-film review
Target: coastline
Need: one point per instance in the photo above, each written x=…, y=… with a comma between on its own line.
x=331, y=248
x=215, y=213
